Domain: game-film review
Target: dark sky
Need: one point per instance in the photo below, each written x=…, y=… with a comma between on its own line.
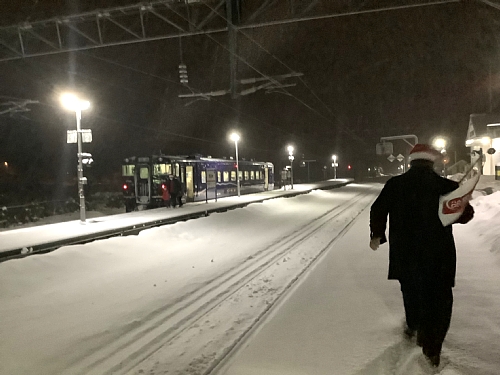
x=414, y=71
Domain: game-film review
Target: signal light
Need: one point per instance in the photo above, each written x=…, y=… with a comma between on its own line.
x=125, y=186
x=163, y=186
x=183, y=75
x=349, y=166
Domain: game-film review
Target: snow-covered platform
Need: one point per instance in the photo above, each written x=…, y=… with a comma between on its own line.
x=17, y=242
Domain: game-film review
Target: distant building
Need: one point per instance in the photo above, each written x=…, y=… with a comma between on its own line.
x=483, y=134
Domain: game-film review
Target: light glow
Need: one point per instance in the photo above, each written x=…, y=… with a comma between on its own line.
x=485, y=140
x=439, y=143
x=73, y=103
x=235, y=137
x=290, y=150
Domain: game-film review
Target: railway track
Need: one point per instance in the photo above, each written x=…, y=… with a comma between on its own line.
x=177, y=321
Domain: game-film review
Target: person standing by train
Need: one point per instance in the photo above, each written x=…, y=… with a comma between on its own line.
x=165, y=194
x=175, y=189
x=179, y=189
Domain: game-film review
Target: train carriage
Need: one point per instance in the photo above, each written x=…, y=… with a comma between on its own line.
x=202, y=178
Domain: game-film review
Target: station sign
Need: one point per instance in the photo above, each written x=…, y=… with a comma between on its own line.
x=211, y=178
x=73, y=138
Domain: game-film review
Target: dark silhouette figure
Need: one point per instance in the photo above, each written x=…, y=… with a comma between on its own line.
x=422, y=253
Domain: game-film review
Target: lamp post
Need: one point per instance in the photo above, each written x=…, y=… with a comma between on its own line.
x=440, y=143
x=334, y=165
x=235, y=137
x=291, y=157
x=73, y=103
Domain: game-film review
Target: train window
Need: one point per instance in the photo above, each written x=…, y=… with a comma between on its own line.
x=257, y=175
x=218, y=176
x=246, y=175
x=241, y=175
x=226, y=176
x=177, y=170
x=128, y=170
x=203, y=177
x=252, y=175
x=233, y=175
x=162, y=169
x=144, y=172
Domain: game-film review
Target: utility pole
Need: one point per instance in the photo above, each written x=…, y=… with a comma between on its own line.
x=232, y=15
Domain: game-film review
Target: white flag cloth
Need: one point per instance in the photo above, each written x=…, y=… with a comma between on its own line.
x=452, y=205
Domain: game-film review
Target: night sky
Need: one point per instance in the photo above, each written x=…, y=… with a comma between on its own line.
x=415, y=71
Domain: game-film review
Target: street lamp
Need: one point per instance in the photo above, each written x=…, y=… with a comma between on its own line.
x=235, y=137
x=334, y=165
x=440, y=144
x=291, y=157
x=73, y=103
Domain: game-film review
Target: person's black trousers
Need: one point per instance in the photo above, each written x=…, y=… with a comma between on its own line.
x=428, y=307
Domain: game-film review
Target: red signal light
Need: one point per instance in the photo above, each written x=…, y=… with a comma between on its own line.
x=163, y=186
x=125, y=186
x=349, y=167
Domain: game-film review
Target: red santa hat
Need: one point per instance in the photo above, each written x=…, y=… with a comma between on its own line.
x=424, y=152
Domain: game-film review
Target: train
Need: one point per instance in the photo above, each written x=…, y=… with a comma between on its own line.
x=202, y=178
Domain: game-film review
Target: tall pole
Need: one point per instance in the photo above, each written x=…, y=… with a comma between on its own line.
x=237, y=168
x=232, y=16
x=290, y=157
x=80, y=165
x=334, y=157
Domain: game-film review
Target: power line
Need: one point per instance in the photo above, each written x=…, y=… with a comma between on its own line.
x=346, y=130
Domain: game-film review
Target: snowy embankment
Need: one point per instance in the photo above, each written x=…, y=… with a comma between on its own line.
x=175, y=299
x=172, y=298
x=345, y=318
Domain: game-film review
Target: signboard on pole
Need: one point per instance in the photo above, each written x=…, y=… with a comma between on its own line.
x=400, y=158
x=211, y=178
x=384, y=148
x=73, y=138
x=391, y=158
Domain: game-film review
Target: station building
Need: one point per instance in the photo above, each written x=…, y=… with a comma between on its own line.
x=483, y=136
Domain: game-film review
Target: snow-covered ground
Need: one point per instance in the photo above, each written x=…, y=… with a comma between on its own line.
x=176, y=299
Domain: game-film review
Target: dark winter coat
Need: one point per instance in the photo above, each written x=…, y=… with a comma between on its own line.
x=175, y=187
x=419, y=245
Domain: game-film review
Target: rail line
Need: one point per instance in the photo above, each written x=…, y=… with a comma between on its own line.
x=168, y=323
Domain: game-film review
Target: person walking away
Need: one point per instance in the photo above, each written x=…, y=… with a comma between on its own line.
x=422, y=254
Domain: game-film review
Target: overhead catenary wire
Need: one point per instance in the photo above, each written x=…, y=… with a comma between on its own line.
x=273, y=23
x=271, y=79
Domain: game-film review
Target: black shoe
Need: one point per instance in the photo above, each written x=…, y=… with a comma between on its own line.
x=433, y=356
x=409, y=333
x=434, y=360
x=420, y=340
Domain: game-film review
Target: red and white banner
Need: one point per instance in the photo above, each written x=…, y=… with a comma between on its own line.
x=451, y=205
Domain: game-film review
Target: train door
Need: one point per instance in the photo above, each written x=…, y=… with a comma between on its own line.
x=189, y=183
x=266, y=178
x=143, y=184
